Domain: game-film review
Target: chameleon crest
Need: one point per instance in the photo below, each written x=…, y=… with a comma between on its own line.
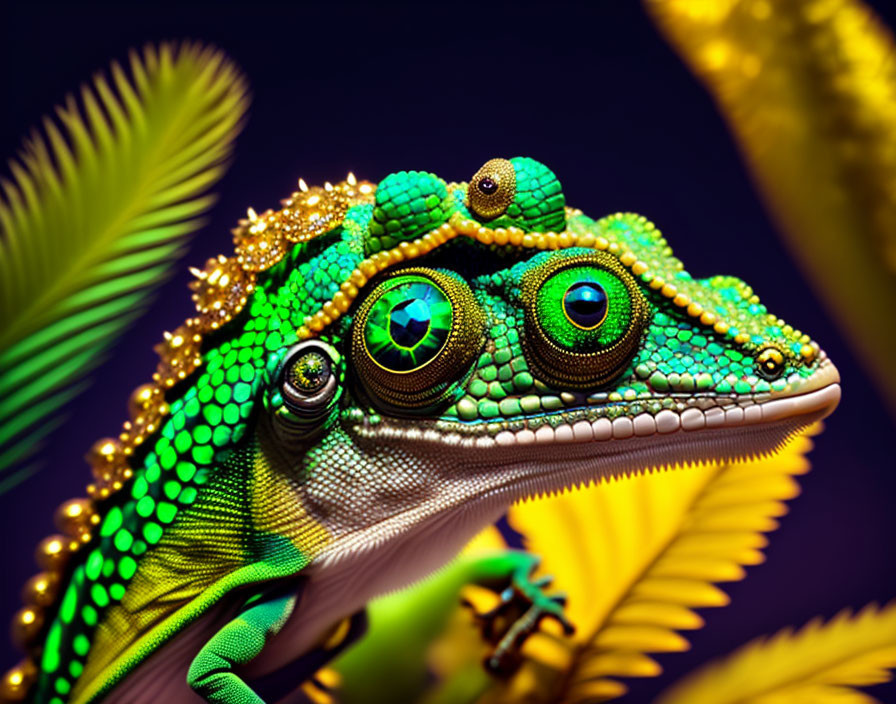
x=373, y=376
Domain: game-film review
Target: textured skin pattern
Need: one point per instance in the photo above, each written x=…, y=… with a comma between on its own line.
x=408, y=204
x=238, y=487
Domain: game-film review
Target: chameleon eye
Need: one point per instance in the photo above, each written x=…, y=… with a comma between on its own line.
x=770, y=362
x=492, y=189
x=585, y=315
x=415, y=336
x=308, y=380
x=585, y=303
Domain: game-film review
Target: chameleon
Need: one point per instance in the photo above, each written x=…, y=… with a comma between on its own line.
x=374, y=375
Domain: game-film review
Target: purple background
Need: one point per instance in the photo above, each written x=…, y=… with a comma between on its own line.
x=593, y=92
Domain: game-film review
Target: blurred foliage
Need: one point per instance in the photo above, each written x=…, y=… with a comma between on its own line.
x=818, y=665
x=635, y=556
x=95, y=216
x=809, y=91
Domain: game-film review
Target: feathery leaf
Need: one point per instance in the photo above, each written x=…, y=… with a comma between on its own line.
x=821, y=664
x=635, y=557
x=96, y=212
x=809, y=91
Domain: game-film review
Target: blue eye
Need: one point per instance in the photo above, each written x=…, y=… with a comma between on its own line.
x=585, y=304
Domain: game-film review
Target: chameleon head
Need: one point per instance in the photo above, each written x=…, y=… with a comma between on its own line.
x=521, y=347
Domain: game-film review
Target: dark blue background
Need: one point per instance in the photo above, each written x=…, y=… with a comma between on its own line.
x=592, y=91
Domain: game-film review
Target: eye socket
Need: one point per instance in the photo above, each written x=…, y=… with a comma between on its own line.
x=770, y=362
x=415, y=336
x=492, y=189
x=585, y=315
x=308, y=379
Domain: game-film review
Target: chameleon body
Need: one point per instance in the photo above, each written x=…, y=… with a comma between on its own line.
x=375, y=375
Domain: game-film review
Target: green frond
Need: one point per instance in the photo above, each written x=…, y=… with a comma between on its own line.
x=821, y=664
x=96, y=211
x=636, y=557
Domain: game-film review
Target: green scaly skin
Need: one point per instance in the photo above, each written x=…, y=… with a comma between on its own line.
x=290, y=484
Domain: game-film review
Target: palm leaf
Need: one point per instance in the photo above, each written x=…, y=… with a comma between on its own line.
x=636, y=557
x=97, y=210
x=821, y=664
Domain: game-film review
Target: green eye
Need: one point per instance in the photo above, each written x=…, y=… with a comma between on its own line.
x=584, y=317
x=415, y=337
x=408, y=325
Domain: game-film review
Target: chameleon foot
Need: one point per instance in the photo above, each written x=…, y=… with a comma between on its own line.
x=524, y=603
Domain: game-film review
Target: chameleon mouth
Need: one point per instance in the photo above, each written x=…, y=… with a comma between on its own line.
x=763, y=421
x=812, y=399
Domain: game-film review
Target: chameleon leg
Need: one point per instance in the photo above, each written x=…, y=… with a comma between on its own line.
x=524, y=603
x=211, y=672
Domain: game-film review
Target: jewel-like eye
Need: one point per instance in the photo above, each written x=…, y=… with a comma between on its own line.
x=585, y=315
x=492, y=189
x=415, y=336
x=770, y=362
x=585, y=304
x=308, y=380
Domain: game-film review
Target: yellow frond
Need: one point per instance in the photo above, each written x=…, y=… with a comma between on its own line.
x=635, y=557
x=819, y=665
x=808, y=90
x=98, y=209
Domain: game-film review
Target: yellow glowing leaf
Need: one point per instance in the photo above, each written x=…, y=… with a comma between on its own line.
x=97, y=212
x=809, y=90
x=819, y=665
x=635, y=557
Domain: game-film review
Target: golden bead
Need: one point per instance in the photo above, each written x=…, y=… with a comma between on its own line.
x=587, y=240
x=721, y=327
x=669, y=291
x=26, y=625
x=657, y=283
x=682, y=300
x=602, y=243
x=141, y=399
x=107, y=459
x=484, y=236
x=628, y=258
x=41, y=589
x=565, y=239
x=341, y=301
x=73, y=517
x=368, y=269
x=53, y=552
x=708, y=318
x=17, y=681
x=639, y=268
x=304, y=333
x=695, y=310
x=331, y=310
x=501, y=236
